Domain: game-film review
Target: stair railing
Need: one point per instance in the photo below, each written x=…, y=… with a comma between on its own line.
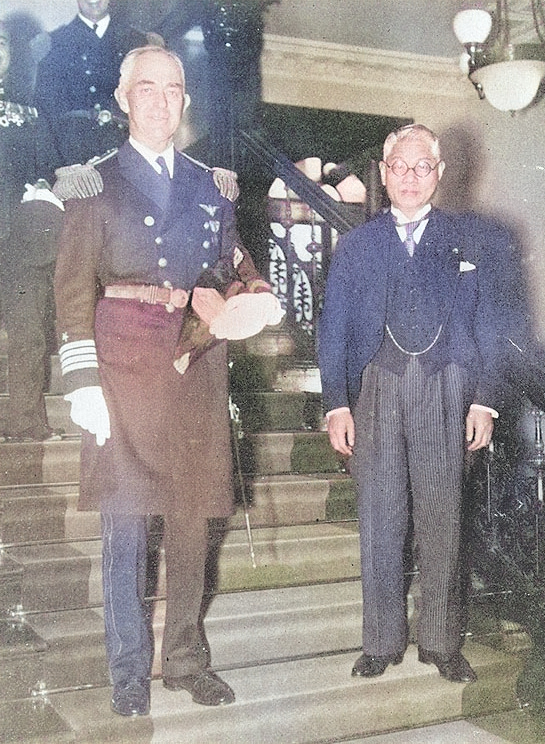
x=304, y=226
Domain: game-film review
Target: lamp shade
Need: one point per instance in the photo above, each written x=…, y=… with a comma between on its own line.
x=510, y=85
x=472, y=26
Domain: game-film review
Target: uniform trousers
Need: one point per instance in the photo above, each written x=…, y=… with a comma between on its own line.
x=28, y=312
x=410, y=435
x=127, y=614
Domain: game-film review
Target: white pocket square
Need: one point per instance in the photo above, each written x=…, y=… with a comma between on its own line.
x=467, y=266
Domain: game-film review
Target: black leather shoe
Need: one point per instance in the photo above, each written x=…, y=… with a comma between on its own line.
x=206, y=688
x=373, y=666
x=131, y=698
x=455, y=668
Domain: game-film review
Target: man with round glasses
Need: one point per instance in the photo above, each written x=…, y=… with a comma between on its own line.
x=422, y=169
x=419, y=306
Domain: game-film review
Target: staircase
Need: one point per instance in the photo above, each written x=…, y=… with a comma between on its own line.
x=284, y=633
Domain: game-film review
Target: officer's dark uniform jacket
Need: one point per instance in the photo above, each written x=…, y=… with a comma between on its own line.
x=170, y=444
x=76, y=80
x=17, y=156
x=28, y=236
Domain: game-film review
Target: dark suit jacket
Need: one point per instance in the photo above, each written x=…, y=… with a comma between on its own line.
x=480, y=297
x=170, y=444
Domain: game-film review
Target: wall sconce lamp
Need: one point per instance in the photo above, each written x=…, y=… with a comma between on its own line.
x=507, y=75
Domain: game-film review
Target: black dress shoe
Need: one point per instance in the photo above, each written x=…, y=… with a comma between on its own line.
x=373, y=666
x=206, y=688
x=455, y=668
x=131, y=698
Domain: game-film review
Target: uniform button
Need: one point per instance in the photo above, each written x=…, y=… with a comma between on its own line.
x=206, y=244
x=205, y=265
x=87, y=72
x=162, y=262
x=84, y=57
x=149, y=221
x=167, y=284
x=92, y=89
x=159, y=240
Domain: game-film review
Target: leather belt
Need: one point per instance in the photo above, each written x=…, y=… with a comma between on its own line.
x=153, y=295
x=98, y=114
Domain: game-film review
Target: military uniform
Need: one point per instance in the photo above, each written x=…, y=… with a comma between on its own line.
x=28, y=234
x=75, y=83
x=169, y=451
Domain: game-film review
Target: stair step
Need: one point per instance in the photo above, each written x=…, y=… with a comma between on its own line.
x=298, y=701
x=58, y=411
x=11, y=580
x=279, y=411
x=260, y=411
x=61, y=576
x=55, y=381
x=46, y=513
x=243, y=629
x=288, y=452
x=263, y=453
x=40, y=462
x=291, y=555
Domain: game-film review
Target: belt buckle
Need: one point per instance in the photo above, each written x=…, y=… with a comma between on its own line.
x=177, y=299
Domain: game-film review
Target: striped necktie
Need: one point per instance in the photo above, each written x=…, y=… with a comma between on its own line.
x=410, y=227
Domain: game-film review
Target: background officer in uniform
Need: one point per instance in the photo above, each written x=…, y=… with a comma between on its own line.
x=28, y=234
x=75, y=83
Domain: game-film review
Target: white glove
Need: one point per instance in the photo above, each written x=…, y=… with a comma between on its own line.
x=40, y=191
x=89, y=411
x=246, y=314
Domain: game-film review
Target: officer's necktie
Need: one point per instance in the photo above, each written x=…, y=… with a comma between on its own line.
x=164, y=181
x=165, y=175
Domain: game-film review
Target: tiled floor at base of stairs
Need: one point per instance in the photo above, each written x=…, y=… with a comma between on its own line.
x=511, y=727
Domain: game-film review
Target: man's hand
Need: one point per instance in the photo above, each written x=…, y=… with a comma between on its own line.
x=341, y=430
x=479, y=428
x=246, y=315
x=89, y=411
x=207, y=303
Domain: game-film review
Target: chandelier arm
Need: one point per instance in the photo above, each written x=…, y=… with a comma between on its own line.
x=538, y=13
x=502, y=23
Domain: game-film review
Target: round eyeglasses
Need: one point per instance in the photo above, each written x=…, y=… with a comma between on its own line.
x=422, y=169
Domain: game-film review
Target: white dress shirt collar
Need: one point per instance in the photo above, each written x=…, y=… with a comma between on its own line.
x=401, y=220
x=151, y=156
x=101, y=26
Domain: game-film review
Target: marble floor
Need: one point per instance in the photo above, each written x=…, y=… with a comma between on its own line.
x=512, y=727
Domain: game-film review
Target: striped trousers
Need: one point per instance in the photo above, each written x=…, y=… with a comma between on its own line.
x=410, y=433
